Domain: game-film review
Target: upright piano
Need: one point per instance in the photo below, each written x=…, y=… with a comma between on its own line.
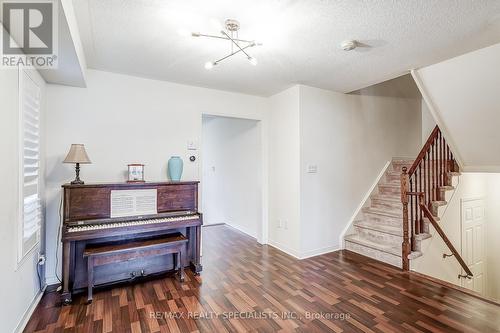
x=96, y=214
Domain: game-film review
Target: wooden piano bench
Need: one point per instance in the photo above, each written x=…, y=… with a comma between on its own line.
x=119, y=252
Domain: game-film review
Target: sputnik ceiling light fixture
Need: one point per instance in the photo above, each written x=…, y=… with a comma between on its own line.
x=238, y=45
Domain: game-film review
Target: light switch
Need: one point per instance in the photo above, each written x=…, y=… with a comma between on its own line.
x=312, y=168
x=191, y=145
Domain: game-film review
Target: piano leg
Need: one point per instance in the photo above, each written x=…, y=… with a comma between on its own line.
x=194, y=237
x=66, y=294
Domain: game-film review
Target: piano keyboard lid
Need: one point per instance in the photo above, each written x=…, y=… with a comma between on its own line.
x=132, y=218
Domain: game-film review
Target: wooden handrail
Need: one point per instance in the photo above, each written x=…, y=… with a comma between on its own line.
x=424, y=150
x=422, y=186
x=406, y=246
x=445, y=238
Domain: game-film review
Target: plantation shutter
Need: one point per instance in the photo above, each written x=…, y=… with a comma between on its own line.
x=31, y=211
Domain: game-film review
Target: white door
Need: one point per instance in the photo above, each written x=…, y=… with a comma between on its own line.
x=474, y=243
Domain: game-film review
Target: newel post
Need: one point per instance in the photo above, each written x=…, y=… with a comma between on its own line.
x=404, y=199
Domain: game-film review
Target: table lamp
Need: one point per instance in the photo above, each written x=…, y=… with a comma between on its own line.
x=77, y=155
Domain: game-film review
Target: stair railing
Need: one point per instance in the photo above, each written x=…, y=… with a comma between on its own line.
x=422, y=189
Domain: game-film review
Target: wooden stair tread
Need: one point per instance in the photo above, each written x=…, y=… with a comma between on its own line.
x=392, y=250
x=354, y=238
x=390, y=184
x=385, y=197
x=402, y=161
x=414, y=255
x=447, y=188
x=387, y=229
x=423, y=236
x=435, y=218
x=396, y=182
x=372, y=210
x=376, y=232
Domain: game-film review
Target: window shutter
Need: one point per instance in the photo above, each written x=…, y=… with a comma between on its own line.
x=30, y=113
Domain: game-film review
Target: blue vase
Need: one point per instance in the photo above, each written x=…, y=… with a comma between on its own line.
x=175, y=166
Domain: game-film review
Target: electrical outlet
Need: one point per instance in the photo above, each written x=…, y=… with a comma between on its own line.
x=279, y=224
x=41, y=259
x=285, y=223
x=312, y=168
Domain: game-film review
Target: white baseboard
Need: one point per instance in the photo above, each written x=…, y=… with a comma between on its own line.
x=318, y=252
x=29, y=312
x=284, y=248
x=362, y=204
x=303, y=255
x=242, y=229
x=50, y=280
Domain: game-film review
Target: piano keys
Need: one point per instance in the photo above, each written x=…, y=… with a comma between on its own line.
x=87, y=221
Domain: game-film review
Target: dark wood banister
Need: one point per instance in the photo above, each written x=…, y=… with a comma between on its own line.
x=423, y=151
x=434, y=161
x=445, y=238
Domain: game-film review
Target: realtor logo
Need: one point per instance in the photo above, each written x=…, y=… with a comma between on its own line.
x=29, y=35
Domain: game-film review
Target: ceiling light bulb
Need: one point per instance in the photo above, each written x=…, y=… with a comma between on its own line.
x=253, y=61
x=209, y=65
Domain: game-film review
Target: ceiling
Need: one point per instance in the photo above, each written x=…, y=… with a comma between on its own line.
x=70, y=68
x=71, y=65
x=300, y=39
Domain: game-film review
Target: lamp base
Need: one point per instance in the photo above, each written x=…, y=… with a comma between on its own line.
x=77, y=180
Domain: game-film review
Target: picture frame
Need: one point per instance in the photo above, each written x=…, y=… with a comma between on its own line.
x=135, y=173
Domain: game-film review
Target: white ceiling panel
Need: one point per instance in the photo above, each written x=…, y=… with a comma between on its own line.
x=300, y=39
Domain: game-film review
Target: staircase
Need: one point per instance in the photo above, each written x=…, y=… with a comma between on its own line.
x=405, y=204
x=377, y=231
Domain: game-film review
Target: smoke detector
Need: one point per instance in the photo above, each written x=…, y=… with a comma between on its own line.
x=348, y=45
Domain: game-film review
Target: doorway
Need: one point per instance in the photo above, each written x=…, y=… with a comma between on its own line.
x=232, y=173
x=474, y=243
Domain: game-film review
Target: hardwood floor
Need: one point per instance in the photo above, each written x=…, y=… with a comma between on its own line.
x=339, y=292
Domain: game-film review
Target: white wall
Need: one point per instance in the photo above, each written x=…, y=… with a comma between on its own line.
x=232, y=177
x=448, y=85
x=493, y=235
x=123, y=119
x=349, y=138
x=428, y=123
x=19, y=285
x=470, y=185
x=463, y=92
x=284, y=171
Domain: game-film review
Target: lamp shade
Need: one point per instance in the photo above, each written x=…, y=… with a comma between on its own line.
x=77, y=154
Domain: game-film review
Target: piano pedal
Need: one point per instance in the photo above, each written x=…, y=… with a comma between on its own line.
x=66, y=299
